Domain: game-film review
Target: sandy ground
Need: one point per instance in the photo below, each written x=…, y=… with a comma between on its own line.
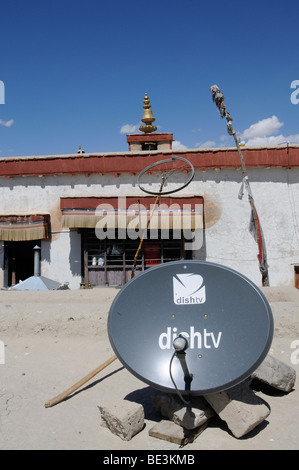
x=55, y=338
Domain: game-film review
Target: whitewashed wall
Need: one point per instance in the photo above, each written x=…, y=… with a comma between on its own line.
x=226, y=240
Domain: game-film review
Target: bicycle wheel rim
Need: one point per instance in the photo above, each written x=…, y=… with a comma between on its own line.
x=181, y=185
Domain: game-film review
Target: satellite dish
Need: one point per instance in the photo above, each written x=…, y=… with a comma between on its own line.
x=190, y=326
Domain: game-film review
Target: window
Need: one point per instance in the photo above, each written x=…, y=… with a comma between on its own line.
x=111, y=261
x=149, y=146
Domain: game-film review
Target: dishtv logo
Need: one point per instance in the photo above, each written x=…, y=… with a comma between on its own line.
x=188, y=289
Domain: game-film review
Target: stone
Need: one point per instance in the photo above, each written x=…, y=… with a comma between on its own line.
x=123, y=418
x=189, y=416
x=240, y=408
x=275, y=373
x=171, y=432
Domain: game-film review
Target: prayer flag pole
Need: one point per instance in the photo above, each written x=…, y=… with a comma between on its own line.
x=254, y=225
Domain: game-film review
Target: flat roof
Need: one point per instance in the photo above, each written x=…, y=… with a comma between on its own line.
x=133, y=162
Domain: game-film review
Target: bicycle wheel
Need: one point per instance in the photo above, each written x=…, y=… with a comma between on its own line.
x=166, y=176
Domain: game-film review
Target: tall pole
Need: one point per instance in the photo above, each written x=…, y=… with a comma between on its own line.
x=218, y=99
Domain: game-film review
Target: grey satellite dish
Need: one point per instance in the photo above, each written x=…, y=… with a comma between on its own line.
x=190, y=326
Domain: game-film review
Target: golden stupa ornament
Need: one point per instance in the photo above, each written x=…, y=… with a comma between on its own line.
x=147, y=117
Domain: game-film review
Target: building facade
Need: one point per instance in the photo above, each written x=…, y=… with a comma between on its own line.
x=87, y=213
x=93, y=224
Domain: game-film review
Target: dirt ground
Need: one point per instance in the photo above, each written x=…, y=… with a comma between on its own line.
x=54, y=338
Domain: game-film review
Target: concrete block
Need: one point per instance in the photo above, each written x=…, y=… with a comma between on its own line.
x=240, y=408
x=188, y=416
x=171, y=432
x=276, y=373
x=123, y=418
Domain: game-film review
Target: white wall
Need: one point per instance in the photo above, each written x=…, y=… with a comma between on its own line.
x=229, y=242
x=227, y=239
x=61, y=259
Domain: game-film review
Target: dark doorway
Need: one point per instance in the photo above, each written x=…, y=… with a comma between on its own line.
x=19, y=261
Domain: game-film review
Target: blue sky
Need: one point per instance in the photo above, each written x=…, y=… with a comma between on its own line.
x=75, y=72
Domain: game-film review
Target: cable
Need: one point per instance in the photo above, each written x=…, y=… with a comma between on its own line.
x=172, y=379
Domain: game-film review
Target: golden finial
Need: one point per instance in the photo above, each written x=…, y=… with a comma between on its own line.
x=147, y=117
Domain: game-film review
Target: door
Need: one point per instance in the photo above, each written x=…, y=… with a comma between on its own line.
x=19, y=261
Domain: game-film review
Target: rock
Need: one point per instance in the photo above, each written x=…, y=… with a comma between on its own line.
x=188, y=416
x=240, y=408
x=171, y=432
x=123, y=418
x=276, y=373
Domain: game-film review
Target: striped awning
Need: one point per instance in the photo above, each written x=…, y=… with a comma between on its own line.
x=19, y=227
x=132, y=213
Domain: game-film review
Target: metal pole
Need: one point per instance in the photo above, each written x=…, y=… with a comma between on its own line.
x=36, y=261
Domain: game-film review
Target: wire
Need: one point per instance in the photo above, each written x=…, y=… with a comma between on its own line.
x=172, y=379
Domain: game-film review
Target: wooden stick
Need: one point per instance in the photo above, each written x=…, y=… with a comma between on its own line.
x=147, y=226
x=142, y=238
x=79, y=384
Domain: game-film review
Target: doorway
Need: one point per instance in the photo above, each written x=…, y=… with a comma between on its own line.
x=19, y=261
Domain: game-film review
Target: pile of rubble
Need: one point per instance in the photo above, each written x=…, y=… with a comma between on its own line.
x=240, y=408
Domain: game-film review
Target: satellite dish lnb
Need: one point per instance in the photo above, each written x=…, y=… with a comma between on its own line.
x=180, y=343
x=190, y=319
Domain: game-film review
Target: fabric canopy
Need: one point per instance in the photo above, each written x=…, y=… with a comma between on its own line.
x=178, y=214
x=24, y=227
